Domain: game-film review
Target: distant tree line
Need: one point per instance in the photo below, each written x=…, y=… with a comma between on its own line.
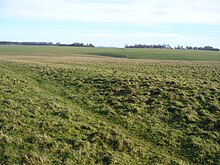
x=209, y=48
x=164, y=46
x=76, y=44
x=25, y=43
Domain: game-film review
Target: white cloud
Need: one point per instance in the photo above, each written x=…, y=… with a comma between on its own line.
x=139, y=11
x=153, y=17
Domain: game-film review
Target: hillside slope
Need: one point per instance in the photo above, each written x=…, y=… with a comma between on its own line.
x=106, y=111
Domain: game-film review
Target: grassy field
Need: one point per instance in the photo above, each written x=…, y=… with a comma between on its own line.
x=63, y=106
x=161, y=54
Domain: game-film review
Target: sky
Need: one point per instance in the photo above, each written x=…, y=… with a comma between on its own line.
x=112, y=22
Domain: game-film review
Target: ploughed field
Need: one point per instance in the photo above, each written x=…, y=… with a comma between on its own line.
x=68, y=106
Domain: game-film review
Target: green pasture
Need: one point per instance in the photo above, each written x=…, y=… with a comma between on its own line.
x=114, y=52
x=63, y=105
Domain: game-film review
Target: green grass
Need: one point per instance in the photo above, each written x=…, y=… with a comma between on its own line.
x=161, y=54
x=60, y=108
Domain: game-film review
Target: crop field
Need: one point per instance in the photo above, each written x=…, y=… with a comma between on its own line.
x=63, y=105
x=161, y=54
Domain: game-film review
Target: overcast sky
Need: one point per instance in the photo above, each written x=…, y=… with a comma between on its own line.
x=112, y=22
